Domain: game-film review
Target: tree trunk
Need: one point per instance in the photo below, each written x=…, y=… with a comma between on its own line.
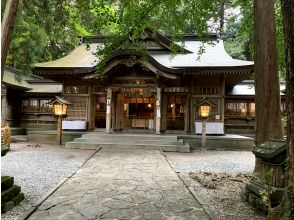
x=267, y=88
x=7, y=29
x=221, y=17
x=288, y=22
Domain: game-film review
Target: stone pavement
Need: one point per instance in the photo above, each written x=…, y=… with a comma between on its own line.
x=122, y=184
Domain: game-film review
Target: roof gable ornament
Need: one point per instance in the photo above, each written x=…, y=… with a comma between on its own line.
x=151, y=41
x=59, y=100
x=204, y=101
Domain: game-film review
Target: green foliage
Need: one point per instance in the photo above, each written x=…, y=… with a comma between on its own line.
x=233, y=42
x=290, y=209
x=238, y=32
x=266, y=193
x=245, y=32
x=280, y=40
x=41, y=33
x=125, y=20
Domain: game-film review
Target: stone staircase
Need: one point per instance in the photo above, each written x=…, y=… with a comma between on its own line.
x=11, y=194
x=94, y=140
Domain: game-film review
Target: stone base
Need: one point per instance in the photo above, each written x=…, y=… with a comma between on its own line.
x=252, y=194
x=10, y=194
x=255, y=201
x=4, y=150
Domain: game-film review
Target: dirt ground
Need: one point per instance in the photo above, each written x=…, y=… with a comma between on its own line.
x=220, y=192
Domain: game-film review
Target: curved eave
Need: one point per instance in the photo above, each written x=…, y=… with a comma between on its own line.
x=244, y=97
x=63, y=70
x=128, y=54
x=123, y=57
x=16, y=87
x=30, y=94
x=220, y=69
x=240, y=97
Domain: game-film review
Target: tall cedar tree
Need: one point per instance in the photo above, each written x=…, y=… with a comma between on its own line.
x=288, y=21
x=267, y=90
x=268, y=113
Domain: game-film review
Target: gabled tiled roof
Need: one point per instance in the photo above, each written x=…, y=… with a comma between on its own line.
x=246, y=88
x=198, y=57
x=14, y=78
x=213, y=55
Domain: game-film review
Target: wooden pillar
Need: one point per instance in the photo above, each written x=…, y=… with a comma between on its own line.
x=59, y=130
x=119, y=112
x=192, y=115
x=158, y=110
x=203, y=135
x=113, y=111
x=3, y=104
x=163, y=112
x=187, y=113
x=191, y=105
x=108, y=110
x=247, y=108
x=223, y=88
x=91, y=111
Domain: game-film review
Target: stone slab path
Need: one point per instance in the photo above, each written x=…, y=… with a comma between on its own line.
x=122, y=184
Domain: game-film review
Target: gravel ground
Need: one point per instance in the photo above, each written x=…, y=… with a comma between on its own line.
x=217, y=178
x=38, y=168
x=213, y=161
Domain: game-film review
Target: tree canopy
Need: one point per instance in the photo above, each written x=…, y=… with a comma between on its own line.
x=50, y=29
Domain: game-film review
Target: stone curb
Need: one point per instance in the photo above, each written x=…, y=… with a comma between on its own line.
x=191, y=190
x=31, y=210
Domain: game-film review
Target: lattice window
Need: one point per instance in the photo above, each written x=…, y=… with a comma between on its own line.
x=30, y=105
x=212, y=90
x=44, y=107
x=176, y=89
x=36, y=105
x=76, y=90
x=240, y=109
x=78, y=109
x=137, y=92
x=99, y=89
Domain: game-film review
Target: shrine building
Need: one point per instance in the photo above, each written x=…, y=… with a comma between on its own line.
x=159, y=93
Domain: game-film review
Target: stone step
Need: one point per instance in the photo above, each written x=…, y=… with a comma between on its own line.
x=89, y=145
x=10, y=193
x=130, y=136
x=6, y=182
x=128, y=141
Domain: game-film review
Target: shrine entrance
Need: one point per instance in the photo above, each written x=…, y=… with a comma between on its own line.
x=134, y=108
x=100, y=111
x=176, y=107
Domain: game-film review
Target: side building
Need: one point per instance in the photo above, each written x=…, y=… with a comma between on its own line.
x=25, y=100
x=240, y=107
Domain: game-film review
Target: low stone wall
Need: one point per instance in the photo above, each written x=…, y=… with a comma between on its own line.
x=220, y=142
x=49, y=137
x=253, y=193
x=4, y=149
x=11, y=194
x=18, y=131
x=255, y=201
